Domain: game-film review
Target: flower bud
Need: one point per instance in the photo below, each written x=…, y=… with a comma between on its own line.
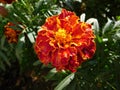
x=3, y=11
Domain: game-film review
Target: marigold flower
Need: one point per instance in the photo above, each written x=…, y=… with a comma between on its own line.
x=10, y=33
x=7, y=1
x=65, y=42
x=3, y=11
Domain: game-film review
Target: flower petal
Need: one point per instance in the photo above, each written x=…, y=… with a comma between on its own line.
x=65, y=42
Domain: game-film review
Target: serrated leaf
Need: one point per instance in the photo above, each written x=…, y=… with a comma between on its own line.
x=65, y=82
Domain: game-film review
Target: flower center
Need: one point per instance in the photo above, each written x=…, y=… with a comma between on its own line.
x=62, y=37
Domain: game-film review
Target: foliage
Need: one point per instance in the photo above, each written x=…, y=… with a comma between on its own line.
x=100, y=9
x=19, y=64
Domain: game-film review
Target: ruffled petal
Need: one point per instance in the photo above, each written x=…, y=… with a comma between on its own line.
x=64, y=42
x=64, y=14
x=44, y=58
x=60, y=58
x=52, y=23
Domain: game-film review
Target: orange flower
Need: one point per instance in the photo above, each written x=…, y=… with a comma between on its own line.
x=10, y=33
x=7, y=1
x=3, y=11
x=65, y=42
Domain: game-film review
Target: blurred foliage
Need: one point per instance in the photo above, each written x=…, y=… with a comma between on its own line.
x=100, y=9
x=20, y=68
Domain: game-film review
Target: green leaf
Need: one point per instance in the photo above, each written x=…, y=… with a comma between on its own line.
x=117, y=35
x=107, y=26
x=51, y=73
x=38, y=7
x=19, y=50
x=36, y=63
x=2, y=43
x=117, y=24
x=23, y=3
x=65, y=82
x=72, y=85
x=31, y=37
x=2, y=66
x=3, y=56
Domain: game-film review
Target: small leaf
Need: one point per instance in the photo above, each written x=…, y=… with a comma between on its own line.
x=117, y=35
x=2, y=66
x=82, y=17
x=23, y=2
x=99, y=39
x=38, y=6
x=72, y=85
x=2, y=44
x=69, y=4
x=3, y=56
x=107, y=26
x=117, y=24
x=36, y=63
x=19, y=50
x=31, y=37
x=51, y=73
x=78, y=0
x=65, y=82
